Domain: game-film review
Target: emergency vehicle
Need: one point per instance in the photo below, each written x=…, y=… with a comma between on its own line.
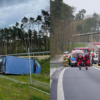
x=91, y=50
x=74, y=55
x=87, y=50
x=98, y=56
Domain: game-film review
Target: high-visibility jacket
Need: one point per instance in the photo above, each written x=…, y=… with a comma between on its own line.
x=66, y=59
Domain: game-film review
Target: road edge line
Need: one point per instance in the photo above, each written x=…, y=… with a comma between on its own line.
x=60, y=91
x=96, y=68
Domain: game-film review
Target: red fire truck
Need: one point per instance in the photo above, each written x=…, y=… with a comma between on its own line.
x=98, y=56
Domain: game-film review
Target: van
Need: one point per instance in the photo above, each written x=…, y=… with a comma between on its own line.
x=18, y=65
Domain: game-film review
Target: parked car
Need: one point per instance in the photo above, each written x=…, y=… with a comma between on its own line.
x=66, y=52
x=95, y=58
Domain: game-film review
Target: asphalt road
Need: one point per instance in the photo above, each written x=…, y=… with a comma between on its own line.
x=74, y=84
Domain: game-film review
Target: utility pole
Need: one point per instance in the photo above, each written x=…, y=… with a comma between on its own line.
x=30, y=67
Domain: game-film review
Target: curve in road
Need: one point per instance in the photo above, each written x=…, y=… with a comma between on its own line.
x=76, y=84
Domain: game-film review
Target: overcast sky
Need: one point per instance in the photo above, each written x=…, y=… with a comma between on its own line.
x=12, y=11
x=90, y=6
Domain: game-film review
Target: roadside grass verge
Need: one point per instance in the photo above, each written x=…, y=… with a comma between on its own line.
x=45, y=67
x=77, y=45
x=13, y=91
x=26, y=78
x=44, y=76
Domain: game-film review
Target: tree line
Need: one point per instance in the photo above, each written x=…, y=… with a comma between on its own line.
x=83, y=24
x=29, y=33
x=90, y=24
x=64, y=24
x=61, y=19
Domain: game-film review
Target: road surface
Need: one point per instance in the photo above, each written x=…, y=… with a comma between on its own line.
x=70, y=83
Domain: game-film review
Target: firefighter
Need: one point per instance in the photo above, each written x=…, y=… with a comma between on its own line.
x=66, y=61
x=80, y=60
x=87, y=60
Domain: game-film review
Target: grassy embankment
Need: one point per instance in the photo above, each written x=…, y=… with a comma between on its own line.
x=77, y=45
x=10, y=90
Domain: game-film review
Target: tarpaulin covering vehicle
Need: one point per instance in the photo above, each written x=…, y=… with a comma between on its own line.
x=18, y=65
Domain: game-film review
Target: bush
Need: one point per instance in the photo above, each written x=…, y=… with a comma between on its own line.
x=45, y=65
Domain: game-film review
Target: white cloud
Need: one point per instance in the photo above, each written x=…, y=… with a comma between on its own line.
x=12, y=14
x=90, y=6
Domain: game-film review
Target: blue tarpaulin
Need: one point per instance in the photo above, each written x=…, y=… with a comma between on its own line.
x=18, y=65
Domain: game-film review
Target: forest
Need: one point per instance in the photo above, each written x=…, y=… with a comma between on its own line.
x=64, y=24
x=29, y=33
x=61, y=18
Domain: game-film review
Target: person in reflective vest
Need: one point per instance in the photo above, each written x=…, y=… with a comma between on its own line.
x=66, y=61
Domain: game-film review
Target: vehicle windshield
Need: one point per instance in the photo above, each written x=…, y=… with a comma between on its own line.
x=74, y=55
x=85, y=51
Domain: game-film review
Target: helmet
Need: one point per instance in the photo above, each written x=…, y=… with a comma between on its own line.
x=66, y=55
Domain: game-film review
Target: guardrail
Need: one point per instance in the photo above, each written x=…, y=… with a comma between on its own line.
x=31, y=53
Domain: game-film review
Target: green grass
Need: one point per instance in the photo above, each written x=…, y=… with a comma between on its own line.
x=19, y=90
x=45, y=66
x=26, y=78
x=44, y=76
x=77, y=45
x=35, y=78
x=36, y=98
x=13, y=91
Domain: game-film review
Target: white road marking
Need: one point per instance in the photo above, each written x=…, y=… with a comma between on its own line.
x=50, y=83
x=96, y=68
x=60, y=91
